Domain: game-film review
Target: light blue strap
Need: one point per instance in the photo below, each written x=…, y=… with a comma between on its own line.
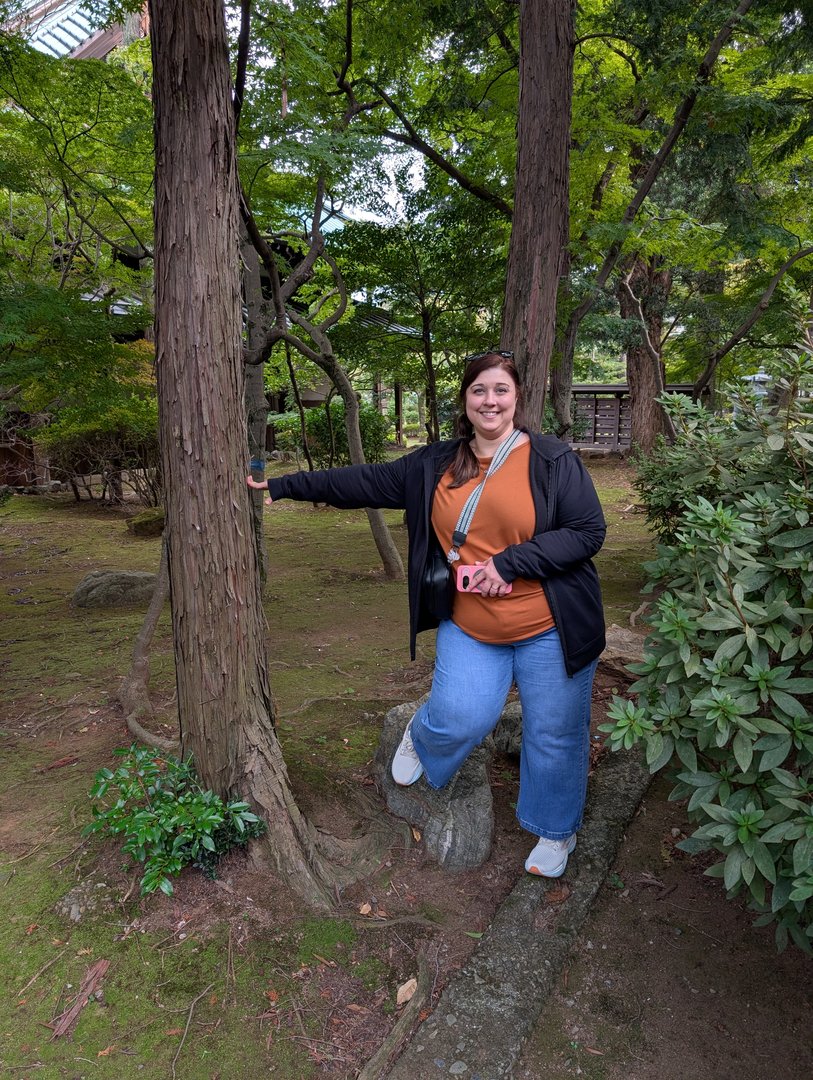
x=467, y=513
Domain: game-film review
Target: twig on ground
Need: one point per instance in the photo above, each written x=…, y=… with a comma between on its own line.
x=44, y=967
x=375, y=1067
x=203, y=993
x=28, y=854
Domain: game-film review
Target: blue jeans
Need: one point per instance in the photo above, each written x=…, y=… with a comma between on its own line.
x=471, y=682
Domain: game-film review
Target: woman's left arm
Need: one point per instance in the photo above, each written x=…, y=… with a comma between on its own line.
x=578, y=533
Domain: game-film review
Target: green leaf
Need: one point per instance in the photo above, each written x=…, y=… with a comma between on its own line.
x=764, y=861
x=743, y=750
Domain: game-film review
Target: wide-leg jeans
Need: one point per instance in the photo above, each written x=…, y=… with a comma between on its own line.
x=469, y=688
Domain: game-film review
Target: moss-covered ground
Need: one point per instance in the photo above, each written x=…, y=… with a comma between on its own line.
x=216, y=981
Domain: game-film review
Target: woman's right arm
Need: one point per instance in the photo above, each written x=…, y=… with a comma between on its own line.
x=380, y=487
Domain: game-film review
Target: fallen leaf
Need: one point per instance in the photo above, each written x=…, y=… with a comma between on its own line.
x=272, y=996
x=85, y=952
x=405, y=991
x=416, y=833
x=213, y=999
x=106, y=1052
x=365, y=909
x=558, y=894
x=174, y=1031
x=590, y=1050
x=322, y=960
x=476, y=934
x=30, y=929
x=352, y=1007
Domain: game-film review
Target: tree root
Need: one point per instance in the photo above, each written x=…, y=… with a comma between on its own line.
x=133, y=693
x=376, y=1067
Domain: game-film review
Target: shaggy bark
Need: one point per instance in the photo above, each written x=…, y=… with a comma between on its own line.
x=540, y=222
x=225, y=706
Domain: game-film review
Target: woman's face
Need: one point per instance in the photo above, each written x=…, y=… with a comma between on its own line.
x=491, y=402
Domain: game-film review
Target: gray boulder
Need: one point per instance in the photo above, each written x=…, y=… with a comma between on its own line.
x=457, y=822
x=114, y=588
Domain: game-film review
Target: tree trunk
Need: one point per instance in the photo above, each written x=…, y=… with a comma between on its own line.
x=225, y=707
x=390, y=556
x=650, y=283
x=430, y=381
x=256, y=404
x=539, y=232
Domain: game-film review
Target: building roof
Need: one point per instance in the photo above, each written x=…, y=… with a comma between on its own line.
x=64, y=28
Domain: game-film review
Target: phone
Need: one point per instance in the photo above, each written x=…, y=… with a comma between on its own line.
x=465, y=574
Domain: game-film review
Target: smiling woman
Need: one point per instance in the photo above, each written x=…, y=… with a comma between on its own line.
x=531, y=612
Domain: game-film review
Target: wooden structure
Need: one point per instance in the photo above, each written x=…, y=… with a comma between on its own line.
x=601, y=412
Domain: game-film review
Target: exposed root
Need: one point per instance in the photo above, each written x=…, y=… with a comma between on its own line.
x=377, y=1066
x=134, y=691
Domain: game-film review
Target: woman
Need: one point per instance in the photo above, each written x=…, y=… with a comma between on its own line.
x=531, y=613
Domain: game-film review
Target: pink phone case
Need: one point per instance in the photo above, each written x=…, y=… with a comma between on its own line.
x=464, y=576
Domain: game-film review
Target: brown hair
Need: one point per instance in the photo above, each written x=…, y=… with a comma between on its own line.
x=465, y=465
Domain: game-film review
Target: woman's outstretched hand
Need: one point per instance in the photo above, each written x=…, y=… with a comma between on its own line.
x=259, y=485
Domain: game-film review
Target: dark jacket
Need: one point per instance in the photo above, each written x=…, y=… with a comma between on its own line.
x=570, y=529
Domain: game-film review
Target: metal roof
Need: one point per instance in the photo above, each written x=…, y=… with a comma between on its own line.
x=64, y=28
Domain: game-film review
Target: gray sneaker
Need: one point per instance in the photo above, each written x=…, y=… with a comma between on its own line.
x=549, y=857
x=406, y=765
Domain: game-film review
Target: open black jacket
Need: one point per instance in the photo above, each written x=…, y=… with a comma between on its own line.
x=570, y=529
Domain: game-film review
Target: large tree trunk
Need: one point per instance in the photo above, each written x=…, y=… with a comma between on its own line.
x=539, y=232
x=225, y=707
x=642, y=296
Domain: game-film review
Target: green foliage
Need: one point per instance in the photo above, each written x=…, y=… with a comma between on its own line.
x=726, y=685
x=327, y=436
x=167, y=819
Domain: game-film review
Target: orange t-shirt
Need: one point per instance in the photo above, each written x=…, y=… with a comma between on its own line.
x=505, y=515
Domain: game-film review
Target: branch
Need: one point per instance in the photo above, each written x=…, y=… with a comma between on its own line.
x=679, y=121
x=743, y=329
x=301, y=273
x=242, y=60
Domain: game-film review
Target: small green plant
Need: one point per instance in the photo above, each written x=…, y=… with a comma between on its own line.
x=725, y=689
x=167, y=819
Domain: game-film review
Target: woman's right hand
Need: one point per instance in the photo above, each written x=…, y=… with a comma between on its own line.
x=259, y=485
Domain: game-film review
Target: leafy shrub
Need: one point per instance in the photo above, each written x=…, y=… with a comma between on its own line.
x=325, y=451
x=725, y=688
x=167, y=819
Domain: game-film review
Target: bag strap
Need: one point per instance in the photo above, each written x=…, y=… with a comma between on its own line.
x=467, y=513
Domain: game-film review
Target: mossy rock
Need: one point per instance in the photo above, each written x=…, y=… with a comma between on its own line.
x=114, y=588
x=148, y=522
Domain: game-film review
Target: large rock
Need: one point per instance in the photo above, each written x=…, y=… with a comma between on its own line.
x=114, y=588
x=457, y=822
x=624, y=647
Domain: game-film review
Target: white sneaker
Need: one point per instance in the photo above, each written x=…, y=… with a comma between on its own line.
x=549, y=857
x=406, y=765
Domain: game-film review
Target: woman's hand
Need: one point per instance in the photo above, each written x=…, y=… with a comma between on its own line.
x=259, y=485
x=487, y=581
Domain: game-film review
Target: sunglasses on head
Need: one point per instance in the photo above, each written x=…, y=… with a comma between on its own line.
x=504, y=353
